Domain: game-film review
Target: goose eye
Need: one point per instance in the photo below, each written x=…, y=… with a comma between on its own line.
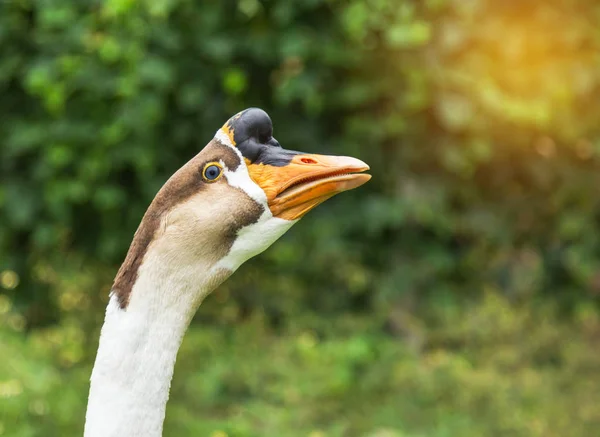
x=212, y=172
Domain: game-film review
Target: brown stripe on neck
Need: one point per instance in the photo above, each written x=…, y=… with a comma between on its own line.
x=186, y=182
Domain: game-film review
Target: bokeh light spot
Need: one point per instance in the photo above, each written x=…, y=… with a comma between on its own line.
x=546, y=147
x=10, y=388
x=5, y=305
x=38, y=407
x=307, y=340
x=9, y=279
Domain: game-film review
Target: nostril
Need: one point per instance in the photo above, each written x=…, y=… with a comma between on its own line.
x=308, y=161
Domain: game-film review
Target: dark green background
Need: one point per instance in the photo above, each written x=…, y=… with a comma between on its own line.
x=456, y=294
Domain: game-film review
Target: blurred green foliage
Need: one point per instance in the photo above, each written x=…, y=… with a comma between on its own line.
x=454, y=295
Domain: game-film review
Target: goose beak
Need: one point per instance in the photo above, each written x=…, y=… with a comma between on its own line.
x=297, y=185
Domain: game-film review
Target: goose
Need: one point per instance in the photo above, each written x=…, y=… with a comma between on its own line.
x=230, y=202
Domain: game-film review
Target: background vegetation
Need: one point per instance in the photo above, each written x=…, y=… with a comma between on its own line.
x=454, y=295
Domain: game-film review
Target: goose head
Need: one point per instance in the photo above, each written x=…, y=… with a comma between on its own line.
x=232, y=201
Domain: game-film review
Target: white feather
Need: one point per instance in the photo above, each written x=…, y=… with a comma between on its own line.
x=224, y=139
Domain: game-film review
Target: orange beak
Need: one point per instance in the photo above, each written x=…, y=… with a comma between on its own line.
x=306, y=181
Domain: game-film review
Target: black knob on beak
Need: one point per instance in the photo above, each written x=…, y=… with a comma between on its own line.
x=251, y=124
x=253, y=135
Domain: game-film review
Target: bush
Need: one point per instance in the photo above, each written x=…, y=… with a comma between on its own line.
x=478, y=119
